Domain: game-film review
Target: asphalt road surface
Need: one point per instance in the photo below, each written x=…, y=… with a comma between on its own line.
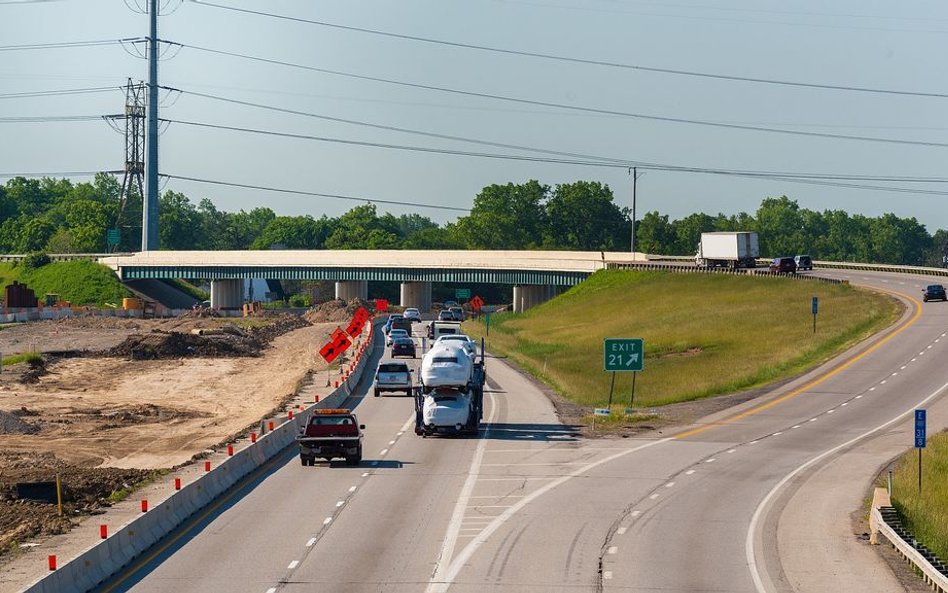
x=755, y=499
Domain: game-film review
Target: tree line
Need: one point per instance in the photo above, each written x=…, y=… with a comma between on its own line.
x=59, y=216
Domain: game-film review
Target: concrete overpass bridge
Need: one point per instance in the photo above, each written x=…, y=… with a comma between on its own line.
x=535, y=275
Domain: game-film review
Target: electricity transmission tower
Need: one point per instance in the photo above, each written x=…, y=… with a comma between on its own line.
x=134, y=154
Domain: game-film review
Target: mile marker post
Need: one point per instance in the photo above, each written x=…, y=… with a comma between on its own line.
x=920, y=421
x=815, y=308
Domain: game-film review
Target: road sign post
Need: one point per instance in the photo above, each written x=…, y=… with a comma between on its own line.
x=623, y=354
x=816, y=308
x=920, y=421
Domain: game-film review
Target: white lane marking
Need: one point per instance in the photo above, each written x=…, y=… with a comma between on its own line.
x=339, y=503
x=914, y=359
x=293, y=565
x=844, y=404
x=390, y=443
x=607, y=574
x=795, y=426
x=936, y=341
x=830, y=411
x=311, y=542
x=712, y=460
x=383, y=451
x=752, y=443
x=399, y=433
x=812, y=420
x=621, y=530
x=689, y=472
x=654, y=496
x=859, y=396
x=531, y=464
x=271, y=590
x=446, y=555
x=669, y=485
x=443, y=579
x=327, y=520
x=752, y=528
x=514, y=479
x=902, y=367
x=352, y=489
x=929, y=347
x=495, y=497
x=921, y=353
x=636, y=514
x=490, y=506
x=895, y=374
x=612, y=550
x=365, y=475
x=731, y=450
x=777, y=434
x=882, y=382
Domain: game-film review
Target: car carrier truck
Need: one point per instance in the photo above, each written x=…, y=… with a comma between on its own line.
x=450, y=399
x=736, y=249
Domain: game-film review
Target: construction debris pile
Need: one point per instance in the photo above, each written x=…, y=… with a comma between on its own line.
x=337, y=310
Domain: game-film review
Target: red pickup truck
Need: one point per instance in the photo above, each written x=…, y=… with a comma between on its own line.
x=329, y=433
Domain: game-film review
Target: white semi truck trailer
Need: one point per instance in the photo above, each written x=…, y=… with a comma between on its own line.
x=737, y=249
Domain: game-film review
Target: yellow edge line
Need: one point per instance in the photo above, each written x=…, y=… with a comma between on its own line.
x=818, y=380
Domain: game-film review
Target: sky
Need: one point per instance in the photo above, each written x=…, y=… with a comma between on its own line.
x=590, y=110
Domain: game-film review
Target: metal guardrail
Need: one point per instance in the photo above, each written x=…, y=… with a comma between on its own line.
x=929, y=568
x=739, y=271
x=922, y=270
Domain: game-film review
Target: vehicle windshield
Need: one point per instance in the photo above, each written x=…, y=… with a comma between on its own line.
x=393, y=367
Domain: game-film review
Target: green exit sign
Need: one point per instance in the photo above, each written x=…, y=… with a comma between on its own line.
x=462, y=294
x=623, y=354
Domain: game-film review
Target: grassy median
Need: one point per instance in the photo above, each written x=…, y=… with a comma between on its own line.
x=925, y=513
x=705, y=334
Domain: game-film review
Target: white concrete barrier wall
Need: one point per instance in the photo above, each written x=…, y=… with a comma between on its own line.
x=107, y=557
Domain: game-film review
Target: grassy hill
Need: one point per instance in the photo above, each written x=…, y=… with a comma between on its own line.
x=704, y=334
x=79, y=282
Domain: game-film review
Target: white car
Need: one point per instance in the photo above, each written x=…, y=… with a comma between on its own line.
x=469, y=345
x=396, y=333
x=412, y=314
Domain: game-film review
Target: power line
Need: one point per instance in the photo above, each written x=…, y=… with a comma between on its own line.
x=34, y=174
x=587, y=157
x=560, y=58
x=54, y=93
x=678, y=120
x=68, y=44
x=51, y=118
x=316, y=194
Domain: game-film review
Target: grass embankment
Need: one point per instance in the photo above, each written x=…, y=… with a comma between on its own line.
x=925, y=515
x=189, y=289
x=704, y=335
x=79, y=282
x=28, y=357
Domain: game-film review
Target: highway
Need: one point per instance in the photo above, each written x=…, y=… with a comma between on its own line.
x=758, y=498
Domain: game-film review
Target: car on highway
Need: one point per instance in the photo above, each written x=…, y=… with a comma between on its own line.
x=396, y=333
x=412, y=314
x=934, y=292
x=449, y=304
x=469, y=345
x=804, y=262
x=330, y=433
x=445, y=315
x=393, y=376
x=457, y=312
x=783, y=265
x=403, y=347
x=388, y=322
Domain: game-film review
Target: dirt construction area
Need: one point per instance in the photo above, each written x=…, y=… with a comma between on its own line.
x=113, y=402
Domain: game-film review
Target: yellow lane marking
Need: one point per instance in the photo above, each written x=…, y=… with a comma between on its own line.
x=816, y=381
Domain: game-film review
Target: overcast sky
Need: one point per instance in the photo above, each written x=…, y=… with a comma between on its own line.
x=852, y=43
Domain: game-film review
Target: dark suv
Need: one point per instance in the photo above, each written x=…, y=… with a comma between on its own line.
x=783, y=265
x=934, y=292
x=804, y=262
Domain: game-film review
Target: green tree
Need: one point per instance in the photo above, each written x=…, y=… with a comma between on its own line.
x=361, y=228
x=506, y=217
x=688, y=232
x=246, y=227
x=290, y=232
x=582, y=216
x=178, y=221
x=35, y=233
x=654, y=234
x=780, y=227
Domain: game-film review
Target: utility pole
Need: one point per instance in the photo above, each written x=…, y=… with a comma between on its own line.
x=150, y=207
x=635, y=177
x=134, y=154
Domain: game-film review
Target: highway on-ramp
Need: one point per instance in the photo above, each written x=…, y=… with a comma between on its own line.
x=754, y=499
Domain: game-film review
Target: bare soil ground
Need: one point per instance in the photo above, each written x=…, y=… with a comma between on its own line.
x=117, y=401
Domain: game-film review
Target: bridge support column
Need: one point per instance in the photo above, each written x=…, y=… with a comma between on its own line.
x=227, y=294
x=416, y=294
x=352, y=289
x=530, y=295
